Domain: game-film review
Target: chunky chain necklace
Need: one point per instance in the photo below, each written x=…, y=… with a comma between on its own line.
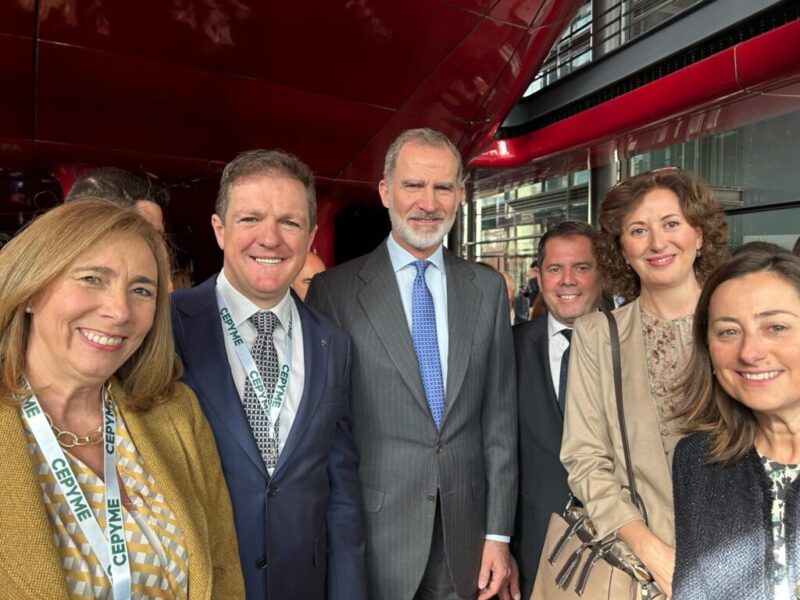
x=68, y=439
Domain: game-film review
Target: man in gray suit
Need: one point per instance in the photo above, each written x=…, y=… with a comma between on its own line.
x=433, y=393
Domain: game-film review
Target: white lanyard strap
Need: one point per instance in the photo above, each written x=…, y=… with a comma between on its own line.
x=116, y=563
x=271, y=407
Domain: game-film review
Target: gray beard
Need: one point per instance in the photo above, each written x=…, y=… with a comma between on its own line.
x=415, y=239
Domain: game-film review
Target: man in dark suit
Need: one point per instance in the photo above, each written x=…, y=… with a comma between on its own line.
x=570, y=287
x=272, y=377
x=434, y=403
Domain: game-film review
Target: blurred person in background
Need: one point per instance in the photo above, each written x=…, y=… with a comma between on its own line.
x=311, y=267
x=123, y=189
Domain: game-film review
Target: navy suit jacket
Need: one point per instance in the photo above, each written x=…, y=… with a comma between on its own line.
x=543, y=488
x=300, y=532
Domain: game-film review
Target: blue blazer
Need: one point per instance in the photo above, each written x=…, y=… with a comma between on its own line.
x=300, y=532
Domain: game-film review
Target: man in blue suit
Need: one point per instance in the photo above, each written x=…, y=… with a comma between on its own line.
x=272, y=377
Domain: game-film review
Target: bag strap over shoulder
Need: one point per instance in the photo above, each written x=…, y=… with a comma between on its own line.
x=616, y=363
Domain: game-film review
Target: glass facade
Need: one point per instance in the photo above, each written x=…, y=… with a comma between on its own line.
x=509, y=223
x=600, y=27
x=752, y=169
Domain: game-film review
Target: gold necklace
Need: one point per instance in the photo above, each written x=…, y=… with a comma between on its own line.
x=67, y=439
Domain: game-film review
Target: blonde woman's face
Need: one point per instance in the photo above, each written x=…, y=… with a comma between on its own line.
x=94, y=316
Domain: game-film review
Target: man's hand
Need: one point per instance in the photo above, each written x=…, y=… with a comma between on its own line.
x=499, y=574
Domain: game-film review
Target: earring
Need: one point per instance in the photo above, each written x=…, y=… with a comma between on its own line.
x=698, y=253
x=628, y=267
x=28, y=310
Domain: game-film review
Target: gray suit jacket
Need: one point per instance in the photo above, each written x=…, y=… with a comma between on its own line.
x=471, y=461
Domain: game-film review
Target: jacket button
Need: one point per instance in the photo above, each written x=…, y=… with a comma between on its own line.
x=261, y=563
x=431, y=498
x=439, y=448
x=272, y=490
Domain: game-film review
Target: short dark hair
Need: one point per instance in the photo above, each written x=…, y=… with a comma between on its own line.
x=118, y=186
x=565, y=229
x=705, y=406
x=266, y=162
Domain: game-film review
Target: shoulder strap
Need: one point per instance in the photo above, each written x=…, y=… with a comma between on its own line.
x=615, y=360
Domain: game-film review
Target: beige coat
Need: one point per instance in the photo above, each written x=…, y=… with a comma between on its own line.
x=178, y=449
x=591, y=449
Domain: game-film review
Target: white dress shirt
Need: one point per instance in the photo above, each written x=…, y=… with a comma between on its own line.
x=241, y=309
x=557, y=344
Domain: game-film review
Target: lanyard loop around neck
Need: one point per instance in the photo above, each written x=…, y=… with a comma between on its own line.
x=110, y=548
x=270, y=406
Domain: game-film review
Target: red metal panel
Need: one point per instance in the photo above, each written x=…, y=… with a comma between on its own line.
x=771, y=56
x=16, y=98
x=519, y=12
x=479, y=6
x=460, y=83
x=549, y=22
x=146, y=106
x=376, y=52
x=17, y=18
x=367, y=166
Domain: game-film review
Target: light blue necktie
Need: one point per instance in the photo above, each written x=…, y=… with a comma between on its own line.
x=426, y=345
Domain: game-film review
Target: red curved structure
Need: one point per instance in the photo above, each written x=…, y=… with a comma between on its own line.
x=767, y=61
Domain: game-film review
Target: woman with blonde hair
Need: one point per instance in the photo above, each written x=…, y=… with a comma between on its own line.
x=661, y=234
x=112, y=486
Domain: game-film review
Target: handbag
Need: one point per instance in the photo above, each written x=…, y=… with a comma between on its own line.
x=574, y=561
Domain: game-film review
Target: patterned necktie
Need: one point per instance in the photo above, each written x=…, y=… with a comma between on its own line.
x=266, y=358
x=426, y=345
x=562, y=376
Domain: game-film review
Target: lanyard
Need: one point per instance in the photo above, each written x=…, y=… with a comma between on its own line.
x=109, y=548
x=271, y=407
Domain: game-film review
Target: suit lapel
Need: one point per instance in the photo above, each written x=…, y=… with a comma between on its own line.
x=463, y=303
x=380, y=301
x=204, y=348
x=26, y=536
x=315, y=355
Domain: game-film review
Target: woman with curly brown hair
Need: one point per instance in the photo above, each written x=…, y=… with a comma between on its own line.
x=662, y=233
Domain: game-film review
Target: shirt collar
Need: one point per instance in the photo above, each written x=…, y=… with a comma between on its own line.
x=554, y=326
x=401, y=258
x=242, y=308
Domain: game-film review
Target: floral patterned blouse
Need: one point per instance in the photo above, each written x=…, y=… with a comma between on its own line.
x=668, y=345
x=781, y=476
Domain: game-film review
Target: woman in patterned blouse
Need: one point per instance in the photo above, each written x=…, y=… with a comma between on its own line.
x=737, y=508
x=112, y=487
x=661, y=234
